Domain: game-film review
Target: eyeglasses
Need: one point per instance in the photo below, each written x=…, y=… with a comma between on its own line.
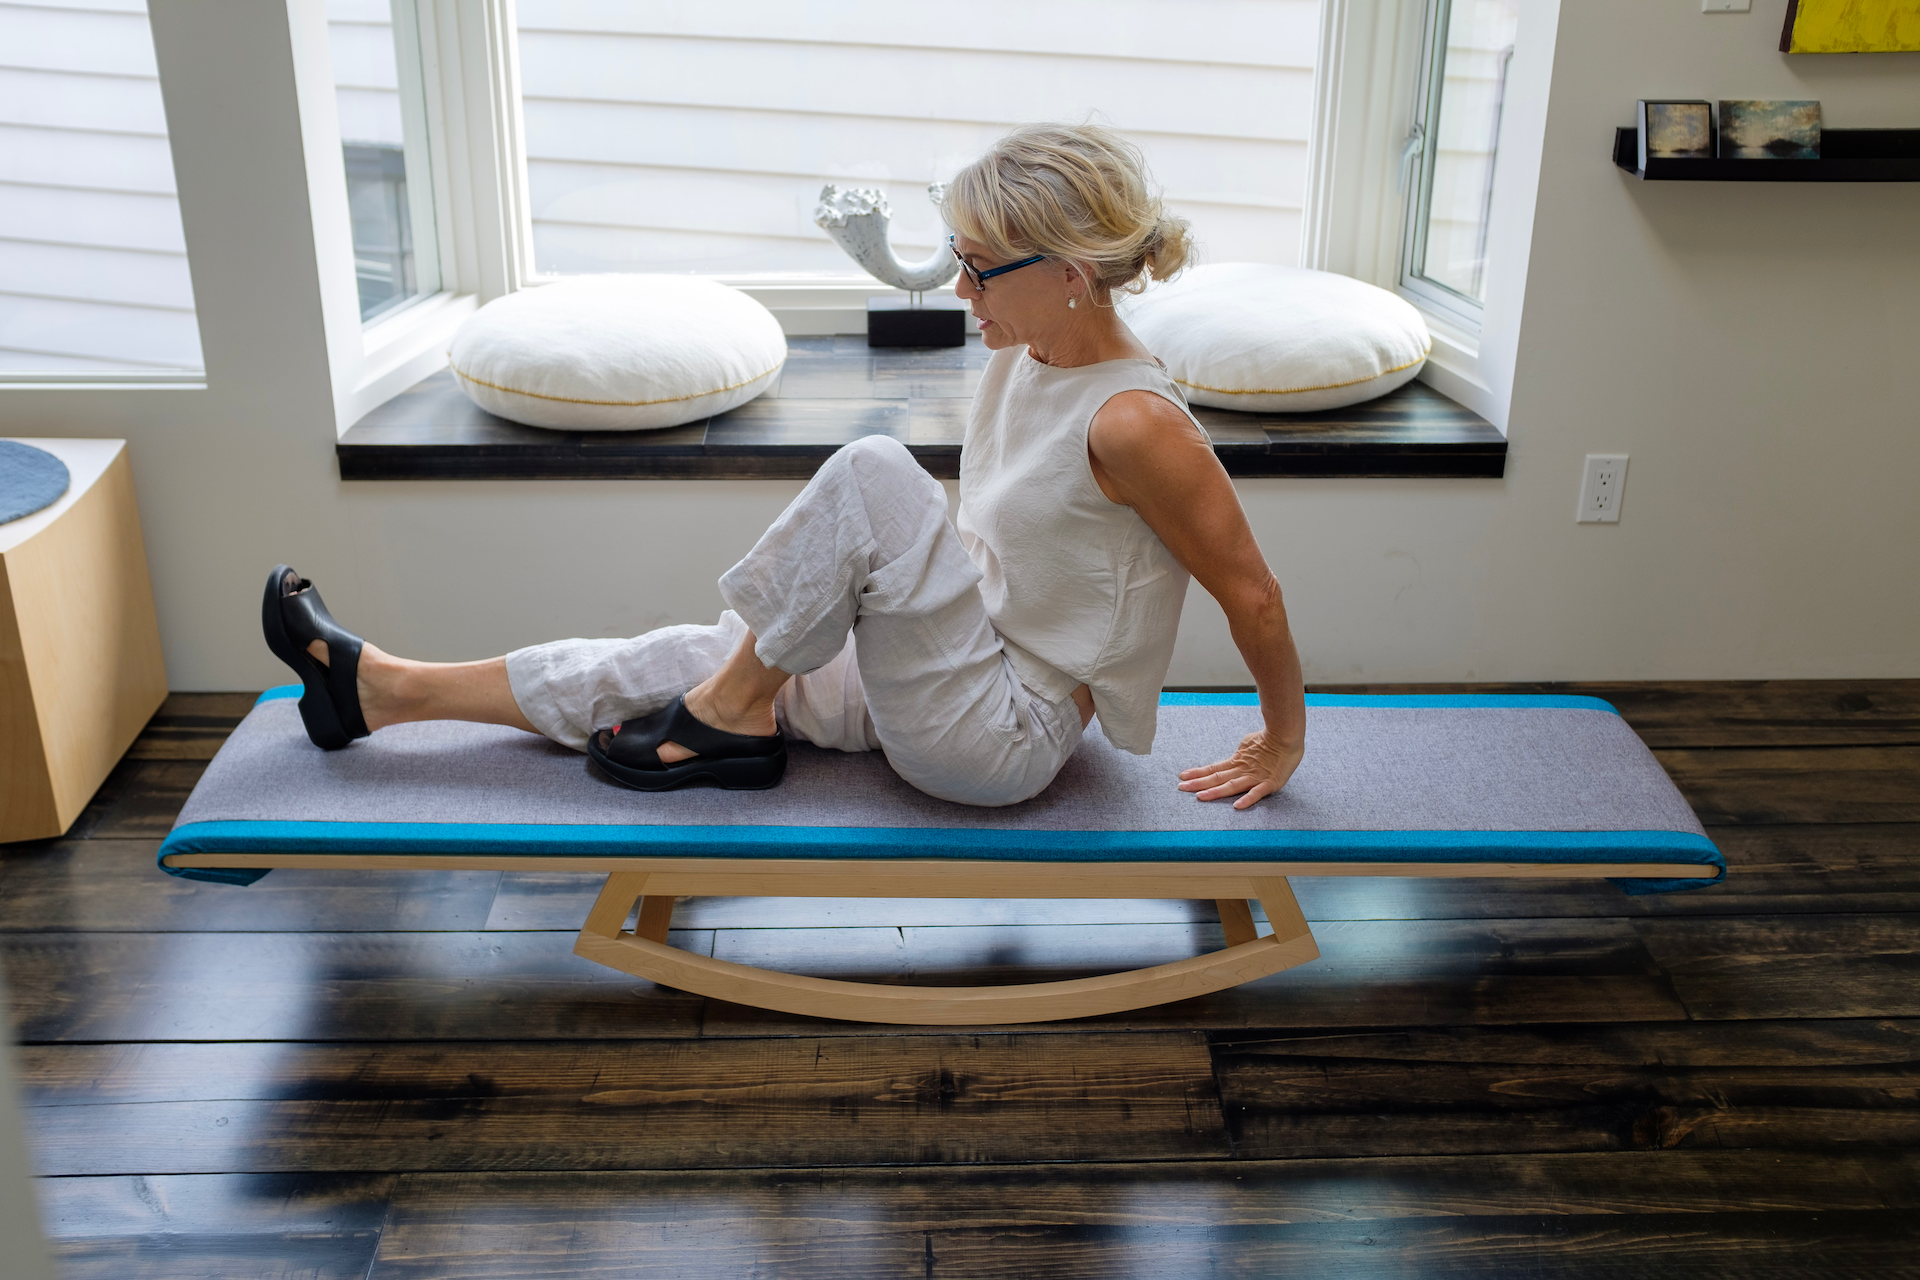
x=978, y=279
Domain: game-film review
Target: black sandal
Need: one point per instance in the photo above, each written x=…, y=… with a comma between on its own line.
x=630, y=753
x=293, y=616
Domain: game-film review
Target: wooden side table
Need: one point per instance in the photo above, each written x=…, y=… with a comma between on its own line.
x=80, y=665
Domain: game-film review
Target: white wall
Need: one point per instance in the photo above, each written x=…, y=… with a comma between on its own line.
x=1746, y=344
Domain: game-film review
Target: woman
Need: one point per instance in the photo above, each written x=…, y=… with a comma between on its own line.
x=976, y=655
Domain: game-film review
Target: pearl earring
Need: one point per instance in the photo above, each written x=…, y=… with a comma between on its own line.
x=1069, y=304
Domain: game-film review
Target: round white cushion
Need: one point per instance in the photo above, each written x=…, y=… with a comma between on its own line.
x=1267, y=339
x=617, y=353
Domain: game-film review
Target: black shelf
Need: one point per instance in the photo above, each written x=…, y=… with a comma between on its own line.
x=834, y=390
x=1846, y=155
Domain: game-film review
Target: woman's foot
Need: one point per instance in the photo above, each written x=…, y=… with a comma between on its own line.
x=293, y=617
x=708, y=703
x=378, y=679
x=721, y=731
x=634, y=754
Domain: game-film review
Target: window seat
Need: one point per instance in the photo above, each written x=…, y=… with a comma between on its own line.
x=837, y=389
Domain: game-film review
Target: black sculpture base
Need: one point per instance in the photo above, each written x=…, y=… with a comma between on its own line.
x=940, y=320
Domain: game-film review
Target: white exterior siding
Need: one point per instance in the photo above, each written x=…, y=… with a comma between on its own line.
x=93, y=266
x=661, y=137
x=366, y=81
x=671, y=137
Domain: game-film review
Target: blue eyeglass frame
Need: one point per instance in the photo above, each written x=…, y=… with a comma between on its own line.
x=980, y=278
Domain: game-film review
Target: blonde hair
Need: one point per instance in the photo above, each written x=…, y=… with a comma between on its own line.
x=1074, y=192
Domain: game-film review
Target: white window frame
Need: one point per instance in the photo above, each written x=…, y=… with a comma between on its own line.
x=460, y=96
x=1367, y=99
x=1466, y=314
x=1366, y=94
x=1367, y=88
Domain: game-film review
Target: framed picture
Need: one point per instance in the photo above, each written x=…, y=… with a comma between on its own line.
x=1851, y=26
x=1764, y=129
x=1678, y=130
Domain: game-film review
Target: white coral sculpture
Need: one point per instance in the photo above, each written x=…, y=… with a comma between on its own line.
x=857, y=218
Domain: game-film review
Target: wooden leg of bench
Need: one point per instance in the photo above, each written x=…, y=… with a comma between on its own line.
x=603, y=939
x=617, y=896
x=1283, y=912
x=656, y=914
x=1236, y=918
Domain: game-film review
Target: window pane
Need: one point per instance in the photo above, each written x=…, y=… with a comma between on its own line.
x=387, y=258
x=1473, y=81
x=93, y=265
x=675, y=137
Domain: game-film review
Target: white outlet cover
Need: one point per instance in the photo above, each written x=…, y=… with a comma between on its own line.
x=1726, y=6
x=1602, y=482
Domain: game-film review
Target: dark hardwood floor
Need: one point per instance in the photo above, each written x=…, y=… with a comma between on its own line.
x=410, y=1075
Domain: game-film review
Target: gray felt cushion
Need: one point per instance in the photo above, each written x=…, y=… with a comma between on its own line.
x=1391, y=782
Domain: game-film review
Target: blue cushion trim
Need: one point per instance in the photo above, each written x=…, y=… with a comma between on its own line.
x=1496, y=700
x=453, y=839
x=1506, y=701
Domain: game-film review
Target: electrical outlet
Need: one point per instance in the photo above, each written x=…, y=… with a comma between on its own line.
x=1726, y=6
x=1601, y=484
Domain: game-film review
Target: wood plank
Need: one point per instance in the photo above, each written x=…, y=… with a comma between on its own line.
x=329, y=986
x=109, y=793
x=191, y=726
x=1802, y=1043
x=113, y=885
x=1863, y=867
x=1730, y=786
x=431, y=430
x=171, y=1109
x=1544, y=1216
x=560, y=899
x=1791, y=966
x=250, y=1227
x=937, y=877
x=1372, y=973
x=141, y=800
x=1090, y=996
x=1730, y=713
x=1288, y=1107
x=1770, y=870
x=115, y=987
x=1863, y=1245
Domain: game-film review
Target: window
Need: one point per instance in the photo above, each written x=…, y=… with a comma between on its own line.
x=671, y=137
x=93, y=263
x=1452, y=153
x=382, y=131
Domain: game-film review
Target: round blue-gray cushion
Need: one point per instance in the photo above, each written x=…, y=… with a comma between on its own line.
x=30, y=479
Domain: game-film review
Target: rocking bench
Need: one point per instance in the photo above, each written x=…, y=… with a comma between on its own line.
x=1490, y=786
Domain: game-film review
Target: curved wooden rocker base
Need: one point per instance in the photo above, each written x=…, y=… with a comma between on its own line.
x=645, y=954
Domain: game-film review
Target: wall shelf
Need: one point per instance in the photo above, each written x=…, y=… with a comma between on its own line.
x=834, y=390
x=1846, y=155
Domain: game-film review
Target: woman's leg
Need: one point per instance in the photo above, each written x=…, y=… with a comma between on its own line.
x=738, y=698
x=868, y=547
x=398, y=690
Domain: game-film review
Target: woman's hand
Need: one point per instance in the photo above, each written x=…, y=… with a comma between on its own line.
x=1259, y=768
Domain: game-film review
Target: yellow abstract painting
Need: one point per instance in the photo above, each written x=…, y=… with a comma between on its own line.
x=1851, y=26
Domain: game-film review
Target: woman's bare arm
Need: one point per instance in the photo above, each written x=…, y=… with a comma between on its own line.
x=1148, y=455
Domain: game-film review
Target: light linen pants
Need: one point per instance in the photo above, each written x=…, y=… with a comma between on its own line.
x=862, y=590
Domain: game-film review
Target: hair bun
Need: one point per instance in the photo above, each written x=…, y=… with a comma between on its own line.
x=1168, y=248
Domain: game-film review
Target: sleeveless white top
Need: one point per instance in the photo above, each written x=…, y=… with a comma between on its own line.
x=1079, y=588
